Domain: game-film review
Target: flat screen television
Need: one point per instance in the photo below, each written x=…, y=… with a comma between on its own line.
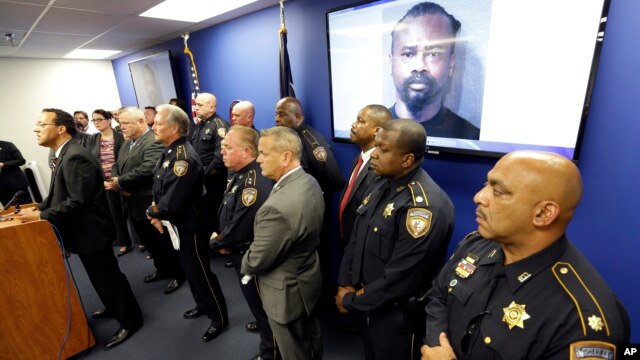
x=516, y=75
x=153, y=80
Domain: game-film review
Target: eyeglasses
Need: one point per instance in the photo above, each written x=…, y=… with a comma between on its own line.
x=41, y=125
x=97, y=120
x=474, y=323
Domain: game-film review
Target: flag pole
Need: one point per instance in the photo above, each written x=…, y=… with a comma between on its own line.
x=286, y=80
x=195, y=82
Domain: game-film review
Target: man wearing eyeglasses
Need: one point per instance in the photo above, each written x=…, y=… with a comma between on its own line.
x=518, y=288
x=77, y=207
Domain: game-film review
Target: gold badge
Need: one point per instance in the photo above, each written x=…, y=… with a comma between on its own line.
x=222, y=132
x=320, y=153
x=388, y=210
x=360, y=292
x=180, y=167
x=366, y=200
x=249, y=196
x=166, y=164
x=418, y=221
x=595, y=322
x=515, y=315
x=591, y=349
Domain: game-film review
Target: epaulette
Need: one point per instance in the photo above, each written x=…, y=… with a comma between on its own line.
x=181, y=165
x=250, y=192
x=418, y=217
x=591, y=316
x=319, y=152
x=222, y=131
x=250, y=181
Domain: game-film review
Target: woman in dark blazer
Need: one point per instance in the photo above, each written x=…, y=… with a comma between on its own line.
x=105, y=146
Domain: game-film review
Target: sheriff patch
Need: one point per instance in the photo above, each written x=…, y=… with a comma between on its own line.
x=418, y=222
x=180, y=167
x=249, y=196
x=592, y=350
x=222, y=132
x=320, y=153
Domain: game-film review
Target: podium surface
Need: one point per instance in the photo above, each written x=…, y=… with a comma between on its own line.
x=39, y=303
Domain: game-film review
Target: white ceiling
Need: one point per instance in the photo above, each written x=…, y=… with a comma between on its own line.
x=52, y=28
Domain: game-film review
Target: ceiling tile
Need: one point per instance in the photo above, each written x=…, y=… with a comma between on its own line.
x=122, y=43
x=148, y=28
x=77, y=21
x=53, y=40
x=16, y=16
x=126, y=7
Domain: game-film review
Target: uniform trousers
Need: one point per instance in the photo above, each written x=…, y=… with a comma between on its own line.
x=251, y=292
x=390, y=333
x=112, y=286
x=165, y=258
x=204, y=284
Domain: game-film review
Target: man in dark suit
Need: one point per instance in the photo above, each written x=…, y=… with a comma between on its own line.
x=12, y=178
x=363, y=134
x=132, y=176
x=283, y=254
x=77, y=207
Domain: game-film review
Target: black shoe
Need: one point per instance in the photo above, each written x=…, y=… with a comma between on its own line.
x=102, y=314
x=121, y=336
x=154, y=277
x=173, y=285
x=213, y=331
x=252, y=327
x=193, y=313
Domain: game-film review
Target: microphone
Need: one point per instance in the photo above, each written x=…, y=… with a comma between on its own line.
x=14, y=200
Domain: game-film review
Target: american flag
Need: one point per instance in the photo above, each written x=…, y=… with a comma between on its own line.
x=195, y=83
x=286, y=80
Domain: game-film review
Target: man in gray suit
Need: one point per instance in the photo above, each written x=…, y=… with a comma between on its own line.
x=283, y=253
x=132, y=176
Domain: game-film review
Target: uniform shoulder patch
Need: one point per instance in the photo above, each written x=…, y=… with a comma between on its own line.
x=320, y=153
x=249, y=196
x=222, y=132
x=418, y=222
x=180, y=167
x=591, y=350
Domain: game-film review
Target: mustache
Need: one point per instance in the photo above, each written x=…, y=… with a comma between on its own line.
x=420, y=78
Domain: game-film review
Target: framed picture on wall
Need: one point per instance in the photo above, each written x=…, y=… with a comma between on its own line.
x=153, y=79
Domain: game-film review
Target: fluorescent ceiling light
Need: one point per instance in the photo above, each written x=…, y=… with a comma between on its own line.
x=90, y=54
x=193, y=10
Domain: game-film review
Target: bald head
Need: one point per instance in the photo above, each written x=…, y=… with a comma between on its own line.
x=527, y=202
x=206, y=105
x=289, y=113
x=243, y=114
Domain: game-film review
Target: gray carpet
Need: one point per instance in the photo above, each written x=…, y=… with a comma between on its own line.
x=167, y=335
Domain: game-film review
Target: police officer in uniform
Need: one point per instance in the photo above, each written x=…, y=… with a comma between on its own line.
x=397, y=246
x=206, y=140
x=246, y=191
x=177, y=197
x=318, y=160
x=518, y=288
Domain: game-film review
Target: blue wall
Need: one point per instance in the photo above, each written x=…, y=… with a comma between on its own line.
x=239, y=59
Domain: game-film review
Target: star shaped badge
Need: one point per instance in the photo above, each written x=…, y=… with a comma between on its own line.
x=515, y=315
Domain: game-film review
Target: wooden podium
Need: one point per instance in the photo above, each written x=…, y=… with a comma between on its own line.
x=38, y=301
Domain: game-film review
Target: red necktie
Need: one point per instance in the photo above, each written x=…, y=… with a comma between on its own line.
x=347, y=193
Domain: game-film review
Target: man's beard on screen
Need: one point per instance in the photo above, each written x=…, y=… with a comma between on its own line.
x=416, y=101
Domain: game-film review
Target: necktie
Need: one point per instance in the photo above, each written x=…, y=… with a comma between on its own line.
x=54, y=164
x=347, y=193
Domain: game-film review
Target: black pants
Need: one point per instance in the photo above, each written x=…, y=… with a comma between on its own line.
x=119, y=221
x=251, y=292
x=204, y=284
x=391, y=333
x=215, y=185
x=165, y=258
x=112, y=286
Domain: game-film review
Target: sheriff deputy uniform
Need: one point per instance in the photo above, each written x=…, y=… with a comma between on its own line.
x=397, y=247
x=551, y=305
